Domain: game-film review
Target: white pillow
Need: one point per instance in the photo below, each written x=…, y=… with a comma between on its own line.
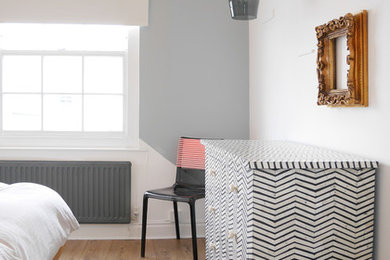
x=3, y=185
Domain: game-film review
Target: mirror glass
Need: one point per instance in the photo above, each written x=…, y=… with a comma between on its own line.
x=342, y=67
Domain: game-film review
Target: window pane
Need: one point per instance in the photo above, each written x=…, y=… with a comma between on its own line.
x=21, y=112
x=62, y=113
x=103, y=113
x=103, y=75
x=21, y=73
x=62, y=74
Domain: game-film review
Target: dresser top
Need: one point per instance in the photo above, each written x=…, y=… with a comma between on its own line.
x=284, y=155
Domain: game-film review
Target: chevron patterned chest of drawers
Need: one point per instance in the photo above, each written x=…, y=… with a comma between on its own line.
x=284, y=200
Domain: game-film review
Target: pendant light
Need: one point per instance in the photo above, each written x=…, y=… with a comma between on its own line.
x=243, y=9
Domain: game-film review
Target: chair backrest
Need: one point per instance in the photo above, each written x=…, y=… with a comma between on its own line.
x=190, y=164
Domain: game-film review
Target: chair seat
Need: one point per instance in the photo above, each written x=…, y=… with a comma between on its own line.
x=181, y=194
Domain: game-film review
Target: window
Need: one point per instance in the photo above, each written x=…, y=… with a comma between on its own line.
x=68, y=85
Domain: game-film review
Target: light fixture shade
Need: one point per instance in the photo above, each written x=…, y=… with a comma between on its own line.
x=244, y=9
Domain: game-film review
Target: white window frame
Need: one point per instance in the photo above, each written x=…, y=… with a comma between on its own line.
x=127, y=139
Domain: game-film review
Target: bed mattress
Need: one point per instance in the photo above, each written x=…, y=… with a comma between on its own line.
x=34, y=222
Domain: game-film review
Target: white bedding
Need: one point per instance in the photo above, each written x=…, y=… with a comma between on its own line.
x=34, y=222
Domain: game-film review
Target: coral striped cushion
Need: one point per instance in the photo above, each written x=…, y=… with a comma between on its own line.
x=190, y=154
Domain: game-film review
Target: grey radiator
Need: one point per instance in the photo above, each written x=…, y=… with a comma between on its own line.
x=97, y=192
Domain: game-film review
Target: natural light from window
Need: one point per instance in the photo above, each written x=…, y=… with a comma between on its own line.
x=63, y=37
x=68, y=81
x=64, y=78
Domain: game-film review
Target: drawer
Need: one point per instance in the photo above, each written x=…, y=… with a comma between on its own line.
x=238, y=207
x=231, y=214
x=210, y=232
x=215, y=177
x=217, y=241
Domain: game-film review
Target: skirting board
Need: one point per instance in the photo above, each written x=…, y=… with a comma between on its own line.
x=133, y=231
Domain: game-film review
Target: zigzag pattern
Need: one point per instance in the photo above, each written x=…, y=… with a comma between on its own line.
x=313, y=213
x=298, y=213
x=216, y=206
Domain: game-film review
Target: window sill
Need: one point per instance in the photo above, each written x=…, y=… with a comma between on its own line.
x=114, y=149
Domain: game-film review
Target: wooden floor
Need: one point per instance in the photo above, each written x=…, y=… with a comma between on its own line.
x=170, y=249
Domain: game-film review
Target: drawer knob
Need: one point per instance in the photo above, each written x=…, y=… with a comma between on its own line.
x=212, y=172
x=211, y=209
x=233, y=188
x=232, y=235
x=212, y=246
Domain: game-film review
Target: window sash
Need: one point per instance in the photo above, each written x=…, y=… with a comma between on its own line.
x=68, y=134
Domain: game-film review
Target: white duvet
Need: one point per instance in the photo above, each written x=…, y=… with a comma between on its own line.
x=34, y=222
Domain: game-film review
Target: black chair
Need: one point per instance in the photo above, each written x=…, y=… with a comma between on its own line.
x=189, y=187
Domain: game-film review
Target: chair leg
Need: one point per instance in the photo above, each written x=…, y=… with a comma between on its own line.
x=176, y=219
x=193, y=230
x=144, y=223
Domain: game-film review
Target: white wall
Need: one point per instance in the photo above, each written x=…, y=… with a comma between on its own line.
x=283, y=88
x=149, y=170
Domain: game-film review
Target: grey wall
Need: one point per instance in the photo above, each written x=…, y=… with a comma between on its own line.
x=194, y=73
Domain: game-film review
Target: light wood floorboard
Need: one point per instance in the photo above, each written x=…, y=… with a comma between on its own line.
x=164, y=249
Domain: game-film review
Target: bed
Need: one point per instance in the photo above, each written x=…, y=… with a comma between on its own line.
x=35, y=222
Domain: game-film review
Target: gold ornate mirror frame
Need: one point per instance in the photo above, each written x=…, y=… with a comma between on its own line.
x=354, y=27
